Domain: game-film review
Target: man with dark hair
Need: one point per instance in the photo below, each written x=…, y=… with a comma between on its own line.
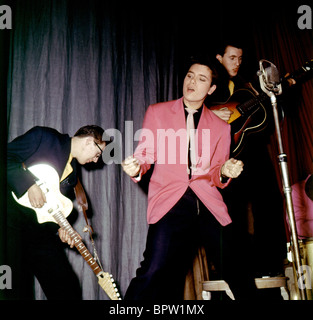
x=91, y=130
x=254, y=200
x=33, y=248
x=227, y=65
x=185, y=208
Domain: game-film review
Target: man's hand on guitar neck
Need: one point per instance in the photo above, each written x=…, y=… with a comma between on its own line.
x=290, y=81
x=66, y=238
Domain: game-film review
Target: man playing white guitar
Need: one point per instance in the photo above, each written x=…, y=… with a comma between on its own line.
x=33, y=248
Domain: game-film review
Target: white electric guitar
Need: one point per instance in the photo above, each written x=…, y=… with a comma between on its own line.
x=56, y=209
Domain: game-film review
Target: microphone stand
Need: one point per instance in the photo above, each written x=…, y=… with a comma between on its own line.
x=272, y=89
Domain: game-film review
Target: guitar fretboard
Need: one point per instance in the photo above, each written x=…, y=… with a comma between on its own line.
x=63, y=223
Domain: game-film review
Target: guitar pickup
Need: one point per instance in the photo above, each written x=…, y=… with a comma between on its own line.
x=51, y=210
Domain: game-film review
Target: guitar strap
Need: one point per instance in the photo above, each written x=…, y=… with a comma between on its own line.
x=82, y=201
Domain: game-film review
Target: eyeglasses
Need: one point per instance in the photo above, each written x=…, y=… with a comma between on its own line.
x=101, y=151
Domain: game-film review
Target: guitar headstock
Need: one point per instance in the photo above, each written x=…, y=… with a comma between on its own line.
x=107, y=283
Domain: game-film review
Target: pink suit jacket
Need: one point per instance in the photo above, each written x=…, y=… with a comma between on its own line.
x=163, y=141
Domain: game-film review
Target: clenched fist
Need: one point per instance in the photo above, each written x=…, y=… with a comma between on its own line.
x=131, y=166
x=232, y=168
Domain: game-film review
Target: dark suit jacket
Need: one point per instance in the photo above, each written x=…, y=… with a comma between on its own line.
x=39, y=145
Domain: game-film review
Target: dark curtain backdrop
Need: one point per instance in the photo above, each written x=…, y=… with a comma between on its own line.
x=73, y=63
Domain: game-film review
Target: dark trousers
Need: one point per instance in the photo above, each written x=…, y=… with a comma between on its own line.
x=171, y=245
x=258, y=188
x=34, y=249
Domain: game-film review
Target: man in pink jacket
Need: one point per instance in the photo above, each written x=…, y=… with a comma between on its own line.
x=185, y=208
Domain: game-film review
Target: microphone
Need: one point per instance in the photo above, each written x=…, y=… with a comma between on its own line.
x=269, y=77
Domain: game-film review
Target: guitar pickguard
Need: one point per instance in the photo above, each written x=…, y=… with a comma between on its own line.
x=48, y=181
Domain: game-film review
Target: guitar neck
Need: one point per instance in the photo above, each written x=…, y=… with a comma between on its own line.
x=63, y=223
x=302, y=74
